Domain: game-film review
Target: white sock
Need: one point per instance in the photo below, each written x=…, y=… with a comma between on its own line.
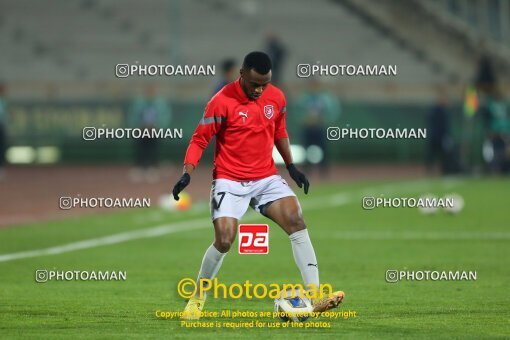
x=304, y=255
x=211, y=263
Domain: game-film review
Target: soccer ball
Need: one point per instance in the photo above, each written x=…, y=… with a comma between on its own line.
x=458, y=203
x=168, y=202
x=290, y=306
x=184, y=202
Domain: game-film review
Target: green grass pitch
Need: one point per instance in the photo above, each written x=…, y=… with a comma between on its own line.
x=354, y=249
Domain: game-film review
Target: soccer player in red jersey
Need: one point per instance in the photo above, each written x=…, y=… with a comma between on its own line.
x=247, y=117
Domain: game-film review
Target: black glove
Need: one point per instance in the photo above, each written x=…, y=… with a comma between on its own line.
x=298, y=177
x=179, y=186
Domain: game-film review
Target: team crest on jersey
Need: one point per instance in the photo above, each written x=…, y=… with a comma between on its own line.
x=268, y=111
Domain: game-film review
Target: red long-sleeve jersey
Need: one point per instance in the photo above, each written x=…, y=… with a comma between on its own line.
x=245, y=131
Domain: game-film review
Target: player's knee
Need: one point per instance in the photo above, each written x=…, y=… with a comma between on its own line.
x=223, y=245
x=295, y=223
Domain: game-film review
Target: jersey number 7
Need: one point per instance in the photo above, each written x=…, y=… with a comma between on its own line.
x=216, y=204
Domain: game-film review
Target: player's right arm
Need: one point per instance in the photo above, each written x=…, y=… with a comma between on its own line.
x=209, y=125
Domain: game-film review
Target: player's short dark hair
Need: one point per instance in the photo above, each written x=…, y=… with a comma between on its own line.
x=259, y=61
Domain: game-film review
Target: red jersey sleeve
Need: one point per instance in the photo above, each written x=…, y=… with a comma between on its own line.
x=281, y=124
x=208, y=126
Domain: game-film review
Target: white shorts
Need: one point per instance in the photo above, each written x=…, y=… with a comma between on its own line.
x=231, y=198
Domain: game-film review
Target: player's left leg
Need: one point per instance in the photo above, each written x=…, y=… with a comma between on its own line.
x=286, y=212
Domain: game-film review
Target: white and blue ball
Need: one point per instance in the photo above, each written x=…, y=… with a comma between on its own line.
x=295, y=305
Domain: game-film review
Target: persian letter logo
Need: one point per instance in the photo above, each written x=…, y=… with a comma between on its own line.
x=268, y=111
x=253, y=239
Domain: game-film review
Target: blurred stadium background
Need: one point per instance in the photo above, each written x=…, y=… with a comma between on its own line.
x=58, y=75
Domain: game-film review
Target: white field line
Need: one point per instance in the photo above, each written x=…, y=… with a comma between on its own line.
x=111, y=239
x=353, y=235
x=202, y=223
